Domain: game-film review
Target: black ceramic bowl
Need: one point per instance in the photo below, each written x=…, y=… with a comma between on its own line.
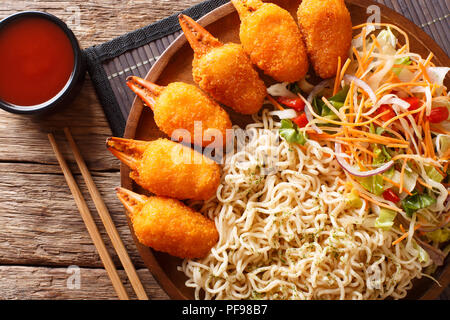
x=73, y=85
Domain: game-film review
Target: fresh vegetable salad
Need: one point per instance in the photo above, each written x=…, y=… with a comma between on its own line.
x=387, y=115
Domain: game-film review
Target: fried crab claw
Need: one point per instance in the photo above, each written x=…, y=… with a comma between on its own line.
x=146, y=90
x=200, y=40
x=132, y=202
x=246, y=7
x=167, y=168
x=168, y=225
x=128, y=151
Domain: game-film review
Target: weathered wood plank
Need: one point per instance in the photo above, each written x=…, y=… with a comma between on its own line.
x=41, y=224
x=97, y=21
x=19, y=282
x=24, y=138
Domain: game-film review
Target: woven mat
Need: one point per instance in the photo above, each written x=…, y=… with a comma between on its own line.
x=135, y=53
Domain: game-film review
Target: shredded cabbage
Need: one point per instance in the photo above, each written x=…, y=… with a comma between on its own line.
x=281, y=90
x=439, y=235
x=385, y=219
x=387, y=40
x=442, y=143
x=422, y=254
x=353, y=199
x=433, y=174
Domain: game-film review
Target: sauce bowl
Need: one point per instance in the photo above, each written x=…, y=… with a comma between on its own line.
x=69, y=91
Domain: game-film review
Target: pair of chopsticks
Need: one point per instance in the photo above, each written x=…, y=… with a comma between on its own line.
x=105, y=217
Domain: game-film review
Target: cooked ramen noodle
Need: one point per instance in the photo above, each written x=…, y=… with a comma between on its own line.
x=289, y=231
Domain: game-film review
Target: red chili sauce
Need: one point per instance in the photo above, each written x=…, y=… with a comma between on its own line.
x=36, y=61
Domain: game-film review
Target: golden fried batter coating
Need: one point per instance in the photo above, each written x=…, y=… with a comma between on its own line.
x=183, y=107
x=223, y=70
x=272, y=39
x=180, y=105
x=167, y=168
x=327, y=30
x=170, y=226
x=171, y=169
x=226, y=73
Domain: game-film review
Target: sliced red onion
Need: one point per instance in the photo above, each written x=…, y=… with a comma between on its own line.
x=322, y=85
x=284, y=114
x=442, y=225
x=363, y=85
x=308, y=114
x=344, y=164
x=401, y=103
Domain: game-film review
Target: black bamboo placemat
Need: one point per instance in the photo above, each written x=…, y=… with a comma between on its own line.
x=134, y=53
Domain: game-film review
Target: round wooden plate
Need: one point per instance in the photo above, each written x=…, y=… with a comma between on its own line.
x=176, y=65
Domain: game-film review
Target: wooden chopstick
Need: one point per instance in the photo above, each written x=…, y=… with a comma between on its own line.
x=89, y=222
x=107, y=220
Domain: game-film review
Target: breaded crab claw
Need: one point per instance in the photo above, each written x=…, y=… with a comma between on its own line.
x=224, y=71
x=167, y=168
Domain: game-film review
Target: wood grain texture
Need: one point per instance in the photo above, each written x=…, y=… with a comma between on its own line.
x=19, y=282
x=41, y=231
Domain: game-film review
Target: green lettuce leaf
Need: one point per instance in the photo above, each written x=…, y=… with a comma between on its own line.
x=416, y=202
x=336, y=101
x=373, y=184
x=354, y=200
x=289, y=131
x=404, y=61
x=385, y=219
x=433, y=174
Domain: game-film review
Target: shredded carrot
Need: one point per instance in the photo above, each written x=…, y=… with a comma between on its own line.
x=395, y=184
x=274, y=102
x=414, y=157
x=400, y=51
x=370, y=140
x=424, y=73
x=424, y=183
x=358, y=58
x=428, y=60
x=401, y=228
x=402, y=173
x=387, y=129
x=385, y=25
x=381, y=204
x=344, y=69
x=366, y=60
x=405, y=114
x=363, y=31
x=439, y=129
x=378, y=137
x=420, y=121
x=428, y=141
x=358, y=116
x=405, y=235
x=336, y=81
x=359, y=124
x=375, y=40
x=398, y=85
x=393, y=145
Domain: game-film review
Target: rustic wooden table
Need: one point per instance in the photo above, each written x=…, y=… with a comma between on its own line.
x=42, y=237
x=41, y=231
